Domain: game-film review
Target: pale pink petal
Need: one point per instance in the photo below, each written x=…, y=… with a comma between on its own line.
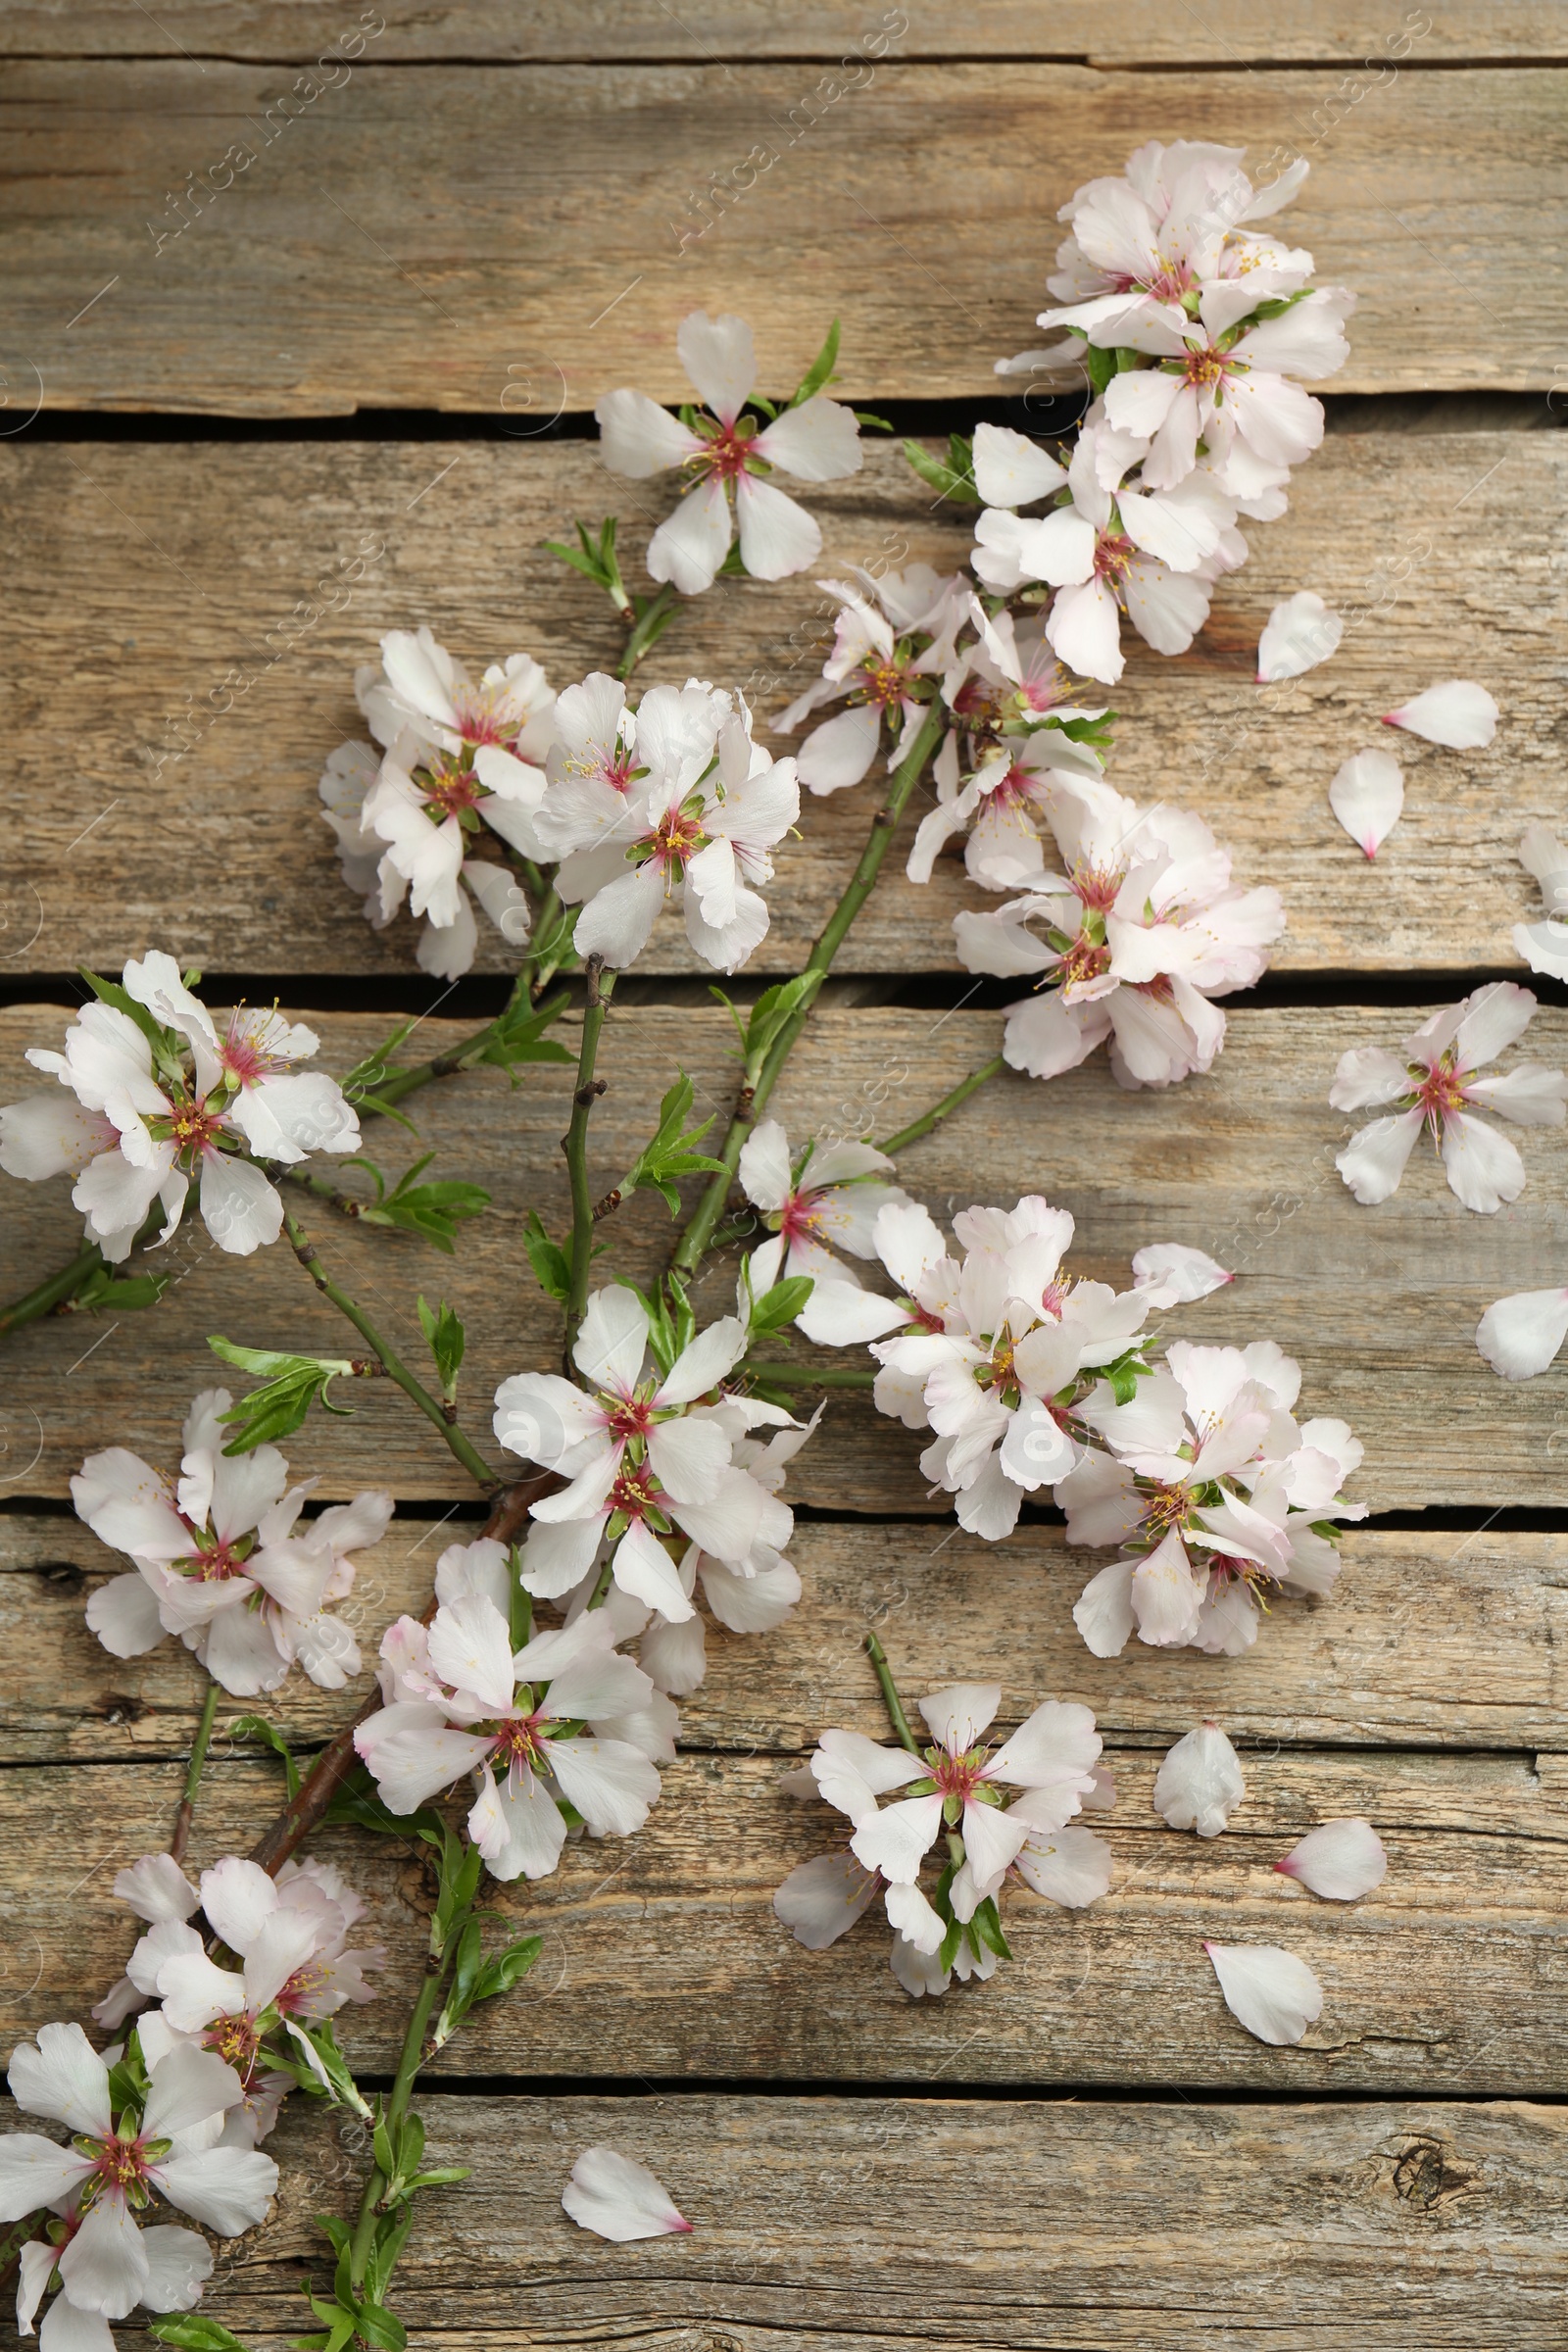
x=35, y=2172
x=226, y=2189
x=1373, y=1163
x=1084, y=631
x=1341, y=1860
x=1267, y=1989
x=778, y=537
x=617, y=2198
x=65, y=2329
x=156, y=1888
x=188, y=2087
x=1458, y=714
x=818, y=442
x=1186, y=1273
x=1520, y=1336
x=1103, y=1610
x=896, y=1840
x=821, y=1901
x=612, y=1784
x=178, y=2262
x=701, y=1366
x=689, y=545
x=1166, y=1595
x=838, y=752
x=1483, y=1167
x=637, y=437
x=619, y=920
x=1369, y=1074
x=1069, y=1867
x=1199, y=1784
x=104, y=2267
x=63, y=2078
x=645, y=1568
x=1009, y=470
x=1298, y=635
x=1366, y=796
x=123, y=1614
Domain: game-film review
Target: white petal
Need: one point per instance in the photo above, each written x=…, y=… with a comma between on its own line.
x=838, y=752
x=958, y=1715
x=1519, y=1336
x=178, y=2262
x=765, y=1166
x=237, y=1897
x=1482, y=1166
x=1298, y=635
x=1009, y=470
x=778, y=537
x=617, y=2198
x=895, y=1841
x=1199, y=1784
x=689, y=545
x=1103, y=1610
x=226, y=2189
x=35, y=2172
x=188, y=2086
x=1267, y=1989
x=818, y=442
x=612, y=1784
x=703, y=1363
x=63, y=2076
x=619, y=920
x=637, y=437
x=1071, y=1866
x=470, y=1647
x=1366, y=796
x=1173, y=1266
x=1369, y=1074
x=52, y=1135
x=821, y=1899
x=1165, y=1594
x=1373, y=1163
x=104, y=2267
x=156, y=1888
x=614, y=1339
x=1341, y=1859
x=1458, y=713
x=123, y=1614
x=644, y=1567
x=239, y=1207
x=913, y=1919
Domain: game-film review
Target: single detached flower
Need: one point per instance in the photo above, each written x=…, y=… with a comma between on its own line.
x=1131, y=942
x=528, y=1725
x=223, y=1560
x=159, y=1102
x=725, y=452
x=895, y=648
x=680, y=804
x=828, y=1200
x=1215, y=1495
x=459, y=757
x=1341, y=1860
x=617, y=2198
x=162, y=2143
x=1432, y=1083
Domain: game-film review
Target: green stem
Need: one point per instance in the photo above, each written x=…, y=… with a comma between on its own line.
x=646, y=631
x=948, y=1103
x=60, y=1286
x=699, y=1231
x=889, y=1694
x=397, y=2106
x=810, y=1376
x=304, y=1250
x=193, y=1774
x=574, y=1143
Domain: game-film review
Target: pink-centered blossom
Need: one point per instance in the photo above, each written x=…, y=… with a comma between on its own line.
x=1132, y=942
x=725, y=452
x=1433, y=1085
x=224, y=1559
x=158, y=1100
x=828, y=1200
x=895, y=648
x=1215, y=1496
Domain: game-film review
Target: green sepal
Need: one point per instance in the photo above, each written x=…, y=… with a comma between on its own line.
x=952, y=476
x=820, y=372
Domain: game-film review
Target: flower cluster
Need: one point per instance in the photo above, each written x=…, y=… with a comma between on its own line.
x=143, y=2127
x=1132, y=943
x=296, y=1967
x=456, y=756
x=157, y=1101
x=1000, y=1812
x=1194, y=335
x=224, y=1559
x=1213, y=1494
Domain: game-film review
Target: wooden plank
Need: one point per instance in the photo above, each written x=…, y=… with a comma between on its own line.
x=1449, y=1641
x=1139, y=32
x=662, y=1957
x=393, y=243
x=1240, y=1163
x=874, y=2223
x=155, y=572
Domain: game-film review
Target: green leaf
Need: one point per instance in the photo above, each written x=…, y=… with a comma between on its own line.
x=379, y=2326
x=290, y=1384
x=952, y=476
x=670, y=1152
x=124, y=1293
x=461, y=1866
x=434, y=1211
x=1100, y=366
x=772, y=1009
x=339, y=2085
x=548, y=1260
x=519, y=1036
x=508, y=1967
x=257, y=1727
x=779, y=1306
x=820, y=372
x=193, y=2331
x=986, y=1926
x=596, y=559
x=443, y=1335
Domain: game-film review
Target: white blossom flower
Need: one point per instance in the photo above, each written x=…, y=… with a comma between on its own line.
x=1340, y=1860
x=645, y=1458
x=722, y=450
x=1298, y=635
x=617, y=2198
x=1367, y=795
x=1214, y=1494
x=163, y=2140
x=995, y=1352
x=1460, y=714
x=458, y=755
x=833, y=1194
x=1520, y=1336
x=459, y=1701
x=1141, y=933
x=165, y=1102
x=1199, y=1784
x=1433, y=1085
x=1267, y=1989
x=693, y=822
x=895, y=645
x=224, y=1559
x=1544, y=946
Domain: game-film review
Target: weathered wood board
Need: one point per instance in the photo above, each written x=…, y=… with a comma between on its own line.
x=1379, y=1305
x=1448, y=1641
x=864, y=2224
x=372, y=251
x=159, y=578
x=662, y=1957
x=1137, y=32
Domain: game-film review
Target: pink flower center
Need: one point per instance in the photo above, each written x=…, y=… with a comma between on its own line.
x=1097, y=887
x=1053, y=1297
x=1112, y=554
x=236, y=2041
x=1440, y=1095
x=1205, y=367
x=119, y=2165
x=245, y=1058
x=885, y=683
x=957, y=1775
x=1017, y=785
x=213, y=1567
x=194, y=1129
x=726, y=454
x=1085, y=960
x=627, y=1416
x=517, y=1741
x=676, y=839
x=800, y=1220
x=1165, y=1508
x=449, y=786
x=636, y=1492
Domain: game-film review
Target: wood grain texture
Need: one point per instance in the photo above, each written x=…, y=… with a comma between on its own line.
x=1137, y=32
x=1375, y=1303
x=1450, y=1642
x=1379, y=1305
x=437, y=240
x=153, y=574
x=867, y=2224
x=662, y=1957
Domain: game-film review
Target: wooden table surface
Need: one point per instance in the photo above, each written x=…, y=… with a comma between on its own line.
x=474, y=230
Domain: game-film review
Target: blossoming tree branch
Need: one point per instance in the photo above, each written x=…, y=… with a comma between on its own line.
x=636, y=1490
